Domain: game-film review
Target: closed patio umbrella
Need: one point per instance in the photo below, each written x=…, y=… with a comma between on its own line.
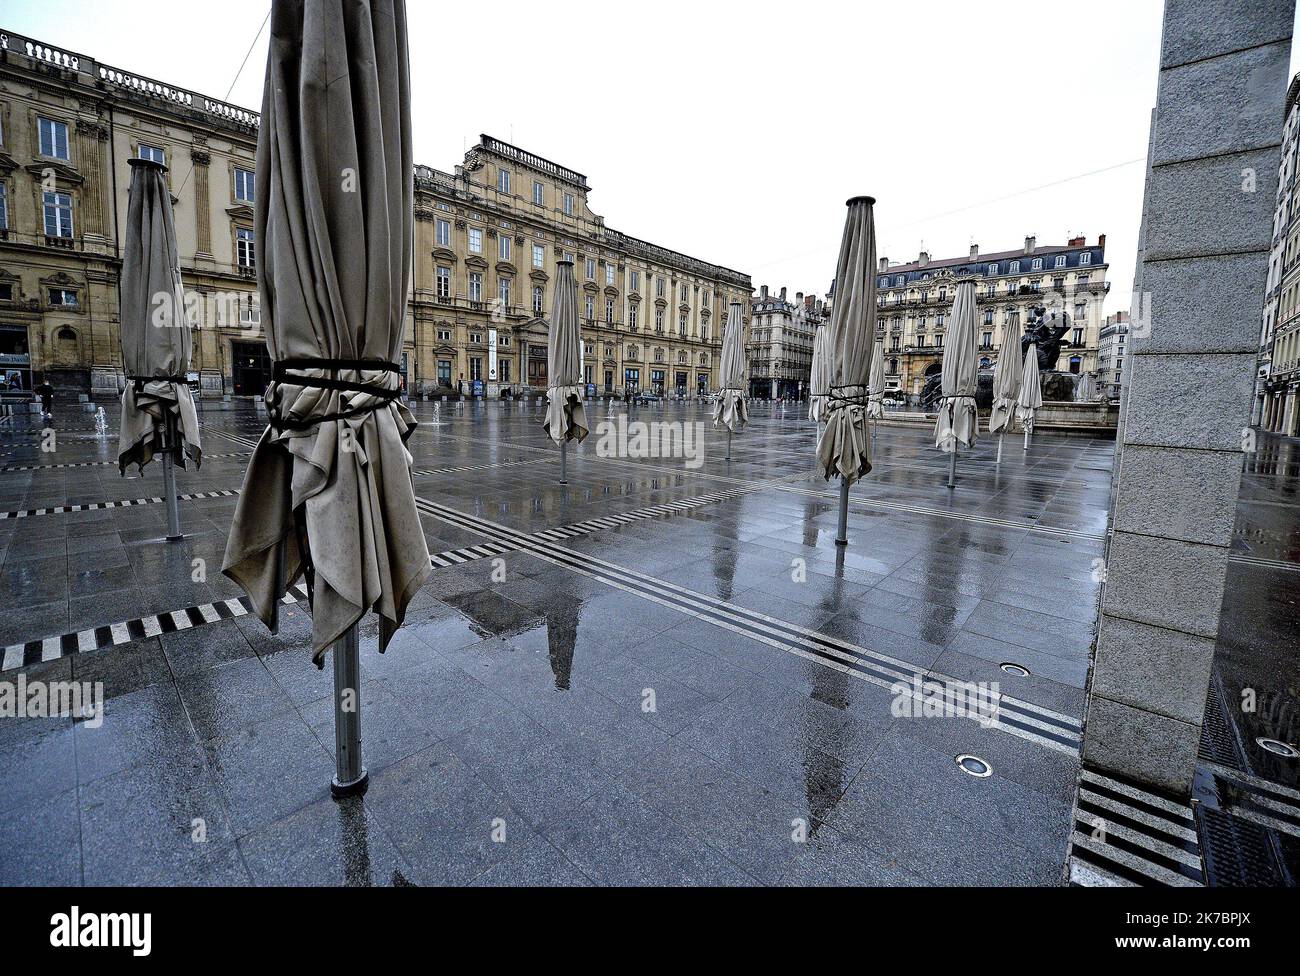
x=157, y=407
x=731, y=410
x=876, y=396
x=565, y=419
x=328, y=490
x=1030, y=396
x=1006, y=382
x=820, y=375
x=844, y=446
x=958, y=421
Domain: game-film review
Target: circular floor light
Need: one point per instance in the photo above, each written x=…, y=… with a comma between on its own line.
x=1018, y=670
x=974, y=766
x=1278, y=748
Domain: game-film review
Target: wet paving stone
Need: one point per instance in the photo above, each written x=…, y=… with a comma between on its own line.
x=567, y=715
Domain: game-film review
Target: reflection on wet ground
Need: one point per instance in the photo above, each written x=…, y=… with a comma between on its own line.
x=702, y=696
x=1255, y=691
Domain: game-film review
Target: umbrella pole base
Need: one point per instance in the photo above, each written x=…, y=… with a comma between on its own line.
x=842, y=536
x=356, y=788
x=564, y=463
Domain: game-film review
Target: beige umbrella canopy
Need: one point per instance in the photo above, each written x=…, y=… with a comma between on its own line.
x=876, y=399
x=844, y=447
x=958, y=421
x=731, y=410
x=1006, y=379
x=820, y=378
x=156, y=340
x=1030, y=396
x=565, y=417
x=328, y=489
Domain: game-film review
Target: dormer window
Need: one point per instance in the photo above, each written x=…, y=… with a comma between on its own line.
x=1060, y=261
x=1037, y=265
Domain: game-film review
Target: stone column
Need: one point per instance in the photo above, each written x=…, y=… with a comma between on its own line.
x=95, y=188
x=1208, y=218
x=201, y=159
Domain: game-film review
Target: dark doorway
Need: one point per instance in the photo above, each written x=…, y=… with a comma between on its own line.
x=250, y=368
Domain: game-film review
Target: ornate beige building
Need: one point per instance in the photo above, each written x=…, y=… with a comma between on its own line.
x=915, y=301
x=780, y=344
x=488, y=236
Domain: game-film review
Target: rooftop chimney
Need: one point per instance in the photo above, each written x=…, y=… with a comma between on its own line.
x=783, y=293
x=762, y=292
x=923, y=258
x=884, y=264
x=1079, y=241
x=974, y=250
x=1101, y=241
x=1029, y=244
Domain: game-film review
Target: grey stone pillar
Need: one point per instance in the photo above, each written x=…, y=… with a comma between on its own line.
x=1208, y=220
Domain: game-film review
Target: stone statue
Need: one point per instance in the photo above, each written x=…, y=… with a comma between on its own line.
x=1046, y=329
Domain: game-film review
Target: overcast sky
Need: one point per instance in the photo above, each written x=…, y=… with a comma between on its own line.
x=735, y=131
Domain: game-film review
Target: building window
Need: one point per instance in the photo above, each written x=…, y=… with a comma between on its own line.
x=1015, y=267
x=245, y=185
x=58, y=214
x=475, y=368
x=539, y=256
x=568, y=204
x=503, y=247
x=539, y=295
x=503, y=292
x=444, y=335
x=993, y=269
x=54, y=138
x=538, y=190
x=476, y=240
x=62, y=298
x=444, y=282
x=245, y=248
x=1078, y=337
x=636, y=281
x=591, y=269
x=986, y=340
x=503, y=180
x=988, y=316
x=153, y=153
x=681, y=323
x=631, y=316
x=704, y=300
x=476, y=286
x=591, y=308
x=899, y=281
x=609, y=310
x=685, y=294
x=4, y=207
x=609, y=274
x=442, y=232
x=1060, y=261
x=1085, y=257
x=476, y=338
x=704, y=333
x=1036, y=264
x=659, y=288
x=659, y=320
x=504, y=367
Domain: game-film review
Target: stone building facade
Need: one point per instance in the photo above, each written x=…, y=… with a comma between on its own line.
x=487, y=239
x=1111, y=348
x=915, y=302
x=780, y=344
x=1277, y=378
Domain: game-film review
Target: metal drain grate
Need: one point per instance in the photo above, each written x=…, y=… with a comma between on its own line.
x=1218, y=744
x=1237, y=853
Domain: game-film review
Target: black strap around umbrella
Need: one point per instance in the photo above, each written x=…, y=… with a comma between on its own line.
x=139, y=381
x=291, y=371
x=848, y=395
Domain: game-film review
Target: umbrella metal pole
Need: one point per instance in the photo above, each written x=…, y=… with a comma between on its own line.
x=564, y=462
x=842, y=536
x=1026, y=437
x=728, y=444
x=169, y=484
x=350, y=777
x=1001, y=437
x=952, y=468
